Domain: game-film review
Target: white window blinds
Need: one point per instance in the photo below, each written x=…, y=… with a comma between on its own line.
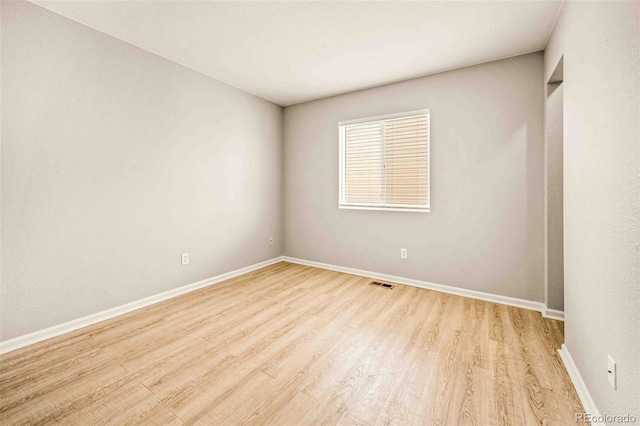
x=384, y=162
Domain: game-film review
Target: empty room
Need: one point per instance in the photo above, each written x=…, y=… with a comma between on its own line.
x=320, y=212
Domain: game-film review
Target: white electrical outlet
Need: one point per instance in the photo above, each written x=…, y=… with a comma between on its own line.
x=611, y=372
x=270, y=241
x=403, y=253
x=185, y=259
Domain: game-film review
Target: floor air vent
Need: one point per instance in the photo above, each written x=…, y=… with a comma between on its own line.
x=383, y=285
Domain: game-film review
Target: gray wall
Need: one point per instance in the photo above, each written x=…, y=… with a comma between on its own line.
x=115, y=161
x=553, y=207
x=485, y=230
x=599, y=41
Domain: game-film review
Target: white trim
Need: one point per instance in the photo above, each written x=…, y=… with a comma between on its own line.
x=407, y=114
x=553, y=314
x=489, y=297
x=581, y=388
x=383, y=158
x=383, y=208
x=341, y=163
x=57, y=330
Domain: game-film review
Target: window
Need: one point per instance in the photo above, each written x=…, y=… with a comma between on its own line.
x=384, y=162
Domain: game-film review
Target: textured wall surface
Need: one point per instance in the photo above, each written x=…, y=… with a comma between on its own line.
x=599, y=42
x=485, y=230
x=115, y=161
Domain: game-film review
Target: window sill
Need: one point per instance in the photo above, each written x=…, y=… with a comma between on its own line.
x=382, y=208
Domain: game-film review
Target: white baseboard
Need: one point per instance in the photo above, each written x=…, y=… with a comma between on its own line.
x=581, y=388
x=495, y=298
x=553, y=314
x=57, y=330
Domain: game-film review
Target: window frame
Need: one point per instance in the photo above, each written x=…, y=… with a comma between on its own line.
x=342, y=204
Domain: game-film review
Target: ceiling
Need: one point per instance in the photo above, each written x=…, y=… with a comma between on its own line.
x=292, y=51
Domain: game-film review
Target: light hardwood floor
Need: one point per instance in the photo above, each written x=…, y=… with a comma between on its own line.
x=295, y=345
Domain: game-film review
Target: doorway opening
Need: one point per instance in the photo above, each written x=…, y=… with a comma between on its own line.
x=554, y=192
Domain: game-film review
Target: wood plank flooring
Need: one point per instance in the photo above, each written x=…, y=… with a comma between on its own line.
x=295, y=345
